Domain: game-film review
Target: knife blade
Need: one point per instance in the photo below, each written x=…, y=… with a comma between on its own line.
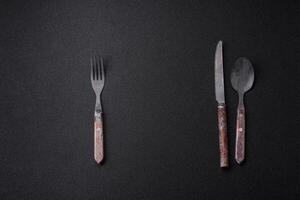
x=220, y=98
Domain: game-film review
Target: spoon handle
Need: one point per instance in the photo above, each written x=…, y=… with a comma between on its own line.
x=240, y=134
x=223, y=144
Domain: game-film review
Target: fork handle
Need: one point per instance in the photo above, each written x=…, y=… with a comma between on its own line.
x=98, y=137
x=240, y=135
x=223, y=144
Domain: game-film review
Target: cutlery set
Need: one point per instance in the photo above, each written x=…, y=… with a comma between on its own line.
x=242, y=78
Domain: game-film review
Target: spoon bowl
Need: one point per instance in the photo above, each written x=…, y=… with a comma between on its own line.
x=242, y=75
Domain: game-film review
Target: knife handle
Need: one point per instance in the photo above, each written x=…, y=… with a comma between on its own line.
x=223, y=141
x=240, y=135
x=98, y=137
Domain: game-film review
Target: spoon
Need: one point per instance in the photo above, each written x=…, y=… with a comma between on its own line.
x=242, y=78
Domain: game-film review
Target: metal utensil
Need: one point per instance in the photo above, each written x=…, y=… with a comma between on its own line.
x=97, y=79
x=242, y=78
x=220, y=98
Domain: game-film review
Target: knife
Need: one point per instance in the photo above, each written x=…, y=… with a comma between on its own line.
x=220, y=98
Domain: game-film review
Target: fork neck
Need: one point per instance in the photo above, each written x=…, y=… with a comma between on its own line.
x=98, y=107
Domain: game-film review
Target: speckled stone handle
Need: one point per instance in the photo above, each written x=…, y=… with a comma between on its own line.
x=98, y=137
x=222, y=124
x=240, y=135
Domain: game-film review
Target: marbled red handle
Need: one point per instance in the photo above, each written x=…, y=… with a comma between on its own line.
x=240, y=135
x=98, y=137
x=222, y=124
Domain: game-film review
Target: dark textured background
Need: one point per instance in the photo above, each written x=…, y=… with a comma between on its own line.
x=160, y=111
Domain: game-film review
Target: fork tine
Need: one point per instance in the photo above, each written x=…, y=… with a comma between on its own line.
x=92, y=69
x=102, y=69
x=97, y=67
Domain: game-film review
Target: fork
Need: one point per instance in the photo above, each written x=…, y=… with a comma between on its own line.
x=97, y=79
